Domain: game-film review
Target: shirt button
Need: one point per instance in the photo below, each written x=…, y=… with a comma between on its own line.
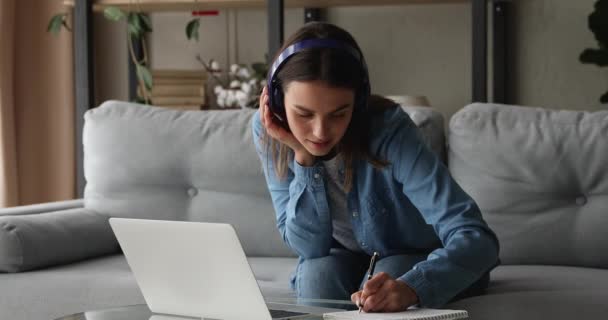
x=355, y=214
x=317, y=176
x=581, y=201
x=192, y=192
x=363, y=244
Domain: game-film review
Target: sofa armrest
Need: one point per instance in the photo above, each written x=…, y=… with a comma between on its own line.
x=42, y=207
x=43, y=239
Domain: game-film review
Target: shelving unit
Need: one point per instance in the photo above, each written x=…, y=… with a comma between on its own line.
x=186, y=5
x=83, y=41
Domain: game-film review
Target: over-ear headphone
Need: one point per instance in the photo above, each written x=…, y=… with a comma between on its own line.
x=275, y=92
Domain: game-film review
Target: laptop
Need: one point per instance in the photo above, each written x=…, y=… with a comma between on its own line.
x=193, y=269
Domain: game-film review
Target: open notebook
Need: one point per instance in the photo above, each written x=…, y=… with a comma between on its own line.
x=410, y=314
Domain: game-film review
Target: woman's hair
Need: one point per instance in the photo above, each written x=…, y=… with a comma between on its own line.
x=338, y=69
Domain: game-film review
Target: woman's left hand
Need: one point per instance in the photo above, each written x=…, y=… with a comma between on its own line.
x=384, y=294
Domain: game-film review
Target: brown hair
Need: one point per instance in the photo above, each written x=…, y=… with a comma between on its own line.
x=338, y=69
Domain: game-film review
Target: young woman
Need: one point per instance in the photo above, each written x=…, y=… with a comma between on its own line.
x=349, y=176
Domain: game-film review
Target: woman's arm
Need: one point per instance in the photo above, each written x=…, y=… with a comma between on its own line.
x=299, y=200
x=470, y=247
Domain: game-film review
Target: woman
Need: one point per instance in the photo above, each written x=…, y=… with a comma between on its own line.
x=349, y=175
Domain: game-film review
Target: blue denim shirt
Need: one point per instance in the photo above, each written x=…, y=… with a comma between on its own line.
x=412, y=206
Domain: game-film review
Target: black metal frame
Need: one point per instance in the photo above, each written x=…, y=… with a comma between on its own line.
x=501, y=77
x=313, y=14
x=480, y=50
x=83, y=80
x=275, y=27
x=83, y=47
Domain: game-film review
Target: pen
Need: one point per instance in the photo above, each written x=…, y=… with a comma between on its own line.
x=370, y=271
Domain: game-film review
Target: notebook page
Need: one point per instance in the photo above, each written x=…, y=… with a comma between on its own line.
x=410, y=314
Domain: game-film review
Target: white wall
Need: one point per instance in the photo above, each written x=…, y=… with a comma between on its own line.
x=410, y=49
x=551, y=35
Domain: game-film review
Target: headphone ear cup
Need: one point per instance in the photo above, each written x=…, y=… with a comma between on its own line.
x=279, y=101
x=278, y=107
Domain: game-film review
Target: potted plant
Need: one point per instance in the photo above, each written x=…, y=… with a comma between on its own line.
x=598, y=23
x=238, y=87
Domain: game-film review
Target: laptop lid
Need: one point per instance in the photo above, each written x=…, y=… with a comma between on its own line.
x=191, y=268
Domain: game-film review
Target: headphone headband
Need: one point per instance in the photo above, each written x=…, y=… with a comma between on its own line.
x=275, y=93
x=309, y=44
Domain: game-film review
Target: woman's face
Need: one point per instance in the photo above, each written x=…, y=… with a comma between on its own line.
x=318, y=114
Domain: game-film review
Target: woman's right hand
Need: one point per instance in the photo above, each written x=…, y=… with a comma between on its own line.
x=277, y=132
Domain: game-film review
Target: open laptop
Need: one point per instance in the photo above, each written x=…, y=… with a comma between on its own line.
x=193, y=269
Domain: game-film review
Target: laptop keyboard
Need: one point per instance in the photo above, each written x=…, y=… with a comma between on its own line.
x=275, y=314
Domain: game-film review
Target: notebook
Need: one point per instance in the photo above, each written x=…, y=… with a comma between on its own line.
x=410, y=314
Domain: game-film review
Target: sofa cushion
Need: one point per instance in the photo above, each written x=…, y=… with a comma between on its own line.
x=540, y=178
x=54, y=292
x=158, y=163
x=431, y=125
x=104, y=283
x=540, y=292
x=30, y=241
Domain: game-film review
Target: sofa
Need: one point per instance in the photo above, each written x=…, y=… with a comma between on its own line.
x=540, y=177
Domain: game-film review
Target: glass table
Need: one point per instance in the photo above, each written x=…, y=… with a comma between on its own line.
x=314, y=307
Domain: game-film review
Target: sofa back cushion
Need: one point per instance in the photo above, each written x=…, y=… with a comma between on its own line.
x=158, y=163
x=540, y=178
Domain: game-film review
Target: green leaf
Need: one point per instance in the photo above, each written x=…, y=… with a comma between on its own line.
x=192, y=29
x=145, y=22
x=595, y=56
x=56, y=23
x=260, y=68
x=113, y=13
x=139, y=100
x=144, y=73
x=598, y=22
x=135, y=25
x=604, y=98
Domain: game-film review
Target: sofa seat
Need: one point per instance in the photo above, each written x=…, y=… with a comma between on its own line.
x=54, y=292
x=541, y=292
x=516, y=292
x=105, y=282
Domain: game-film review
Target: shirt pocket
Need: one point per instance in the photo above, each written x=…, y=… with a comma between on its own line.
x=376, y=209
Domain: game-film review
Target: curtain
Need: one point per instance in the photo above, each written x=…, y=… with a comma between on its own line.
x=36, y=105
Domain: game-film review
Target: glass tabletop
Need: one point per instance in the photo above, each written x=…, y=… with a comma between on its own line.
x=314, y=307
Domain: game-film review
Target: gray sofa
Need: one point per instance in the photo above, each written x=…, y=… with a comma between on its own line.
x=540, y=177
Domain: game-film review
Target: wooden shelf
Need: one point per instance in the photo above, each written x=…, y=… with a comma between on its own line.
x=188, y=5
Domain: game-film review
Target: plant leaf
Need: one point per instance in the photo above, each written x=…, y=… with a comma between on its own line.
x=113, y=13
x=604, y=98
x=595, y=56
x=145, y=22
x=135, y=25
x=260, y=68
x=56, y=23
x=139, y=100
x=192, y=29
x=598, y=23
x=144, y=73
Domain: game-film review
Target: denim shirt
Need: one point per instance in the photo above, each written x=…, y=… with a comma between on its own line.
x=412, y=206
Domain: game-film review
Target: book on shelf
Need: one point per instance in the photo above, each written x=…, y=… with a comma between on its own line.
x=176, y=90
x=179, y=74
x=178, y=101
x=178, y=81
x=183, y=107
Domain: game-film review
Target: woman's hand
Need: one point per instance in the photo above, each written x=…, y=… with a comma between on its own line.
x=277, y=132
x=384, y=294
